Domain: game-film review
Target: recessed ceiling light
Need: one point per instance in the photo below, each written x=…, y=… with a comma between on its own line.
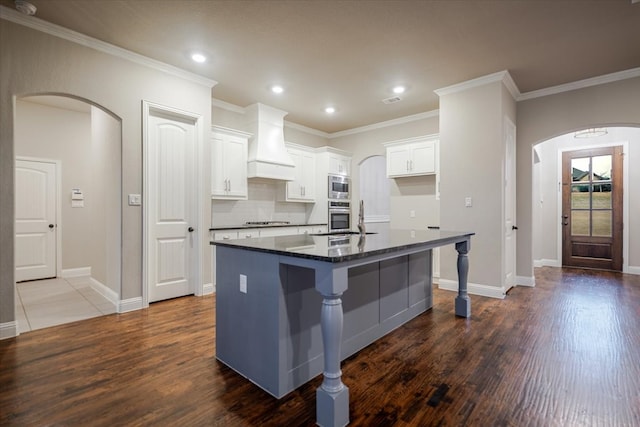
x=198, y=57
x=329, y=110
x=277, y=89
x=398, y=89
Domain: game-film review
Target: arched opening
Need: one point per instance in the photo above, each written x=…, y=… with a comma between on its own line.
x=68, y=210
x=551, y=226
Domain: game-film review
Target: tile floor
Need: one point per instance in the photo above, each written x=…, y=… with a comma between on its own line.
x=50, y=302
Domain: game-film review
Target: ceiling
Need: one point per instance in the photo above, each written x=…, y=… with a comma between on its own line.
x=349, y=54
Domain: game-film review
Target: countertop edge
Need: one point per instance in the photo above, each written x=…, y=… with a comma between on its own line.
x=245, y=227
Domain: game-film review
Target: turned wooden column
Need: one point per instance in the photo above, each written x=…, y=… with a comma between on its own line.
x=332, y=397
x=463, y=302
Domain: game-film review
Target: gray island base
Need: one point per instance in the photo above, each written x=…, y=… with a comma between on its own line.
x=291, y=307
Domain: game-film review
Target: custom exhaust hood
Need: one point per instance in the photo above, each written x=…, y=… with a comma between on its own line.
x=268, y=156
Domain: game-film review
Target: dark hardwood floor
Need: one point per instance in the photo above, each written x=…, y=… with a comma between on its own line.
x=565, y=353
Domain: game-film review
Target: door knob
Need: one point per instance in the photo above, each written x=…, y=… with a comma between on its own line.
x=513, y=227
x=51, y=226
x=190, y=229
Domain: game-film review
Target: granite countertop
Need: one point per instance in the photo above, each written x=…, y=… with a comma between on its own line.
x=240, y=227
x=339, y=248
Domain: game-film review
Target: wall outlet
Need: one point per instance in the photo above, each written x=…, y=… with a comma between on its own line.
x=243, y=283
x=468, y=202
x=412, y=213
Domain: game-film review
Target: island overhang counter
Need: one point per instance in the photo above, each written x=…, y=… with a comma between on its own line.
x=291, y=307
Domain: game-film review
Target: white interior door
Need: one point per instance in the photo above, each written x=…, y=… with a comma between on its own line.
x=172, y=241
x=509, y=204
x=36, y=234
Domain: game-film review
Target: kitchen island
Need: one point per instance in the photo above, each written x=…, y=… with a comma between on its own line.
x=291, y=307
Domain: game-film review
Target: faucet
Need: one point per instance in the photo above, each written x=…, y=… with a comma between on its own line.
x=361, y=227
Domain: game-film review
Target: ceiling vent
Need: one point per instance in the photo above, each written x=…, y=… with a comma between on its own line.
x=392, y=100
x=25, y=7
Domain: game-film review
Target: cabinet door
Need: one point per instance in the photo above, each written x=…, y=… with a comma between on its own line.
x=218, y=179
x=294, y=188
x=398, y=161
x=308, y=176
x=339, y=165
x=423, y=159
x=235, y=166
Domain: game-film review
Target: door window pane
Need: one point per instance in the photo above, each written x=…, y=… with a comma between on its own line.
x=601, y=167
x=580, y=169
x=580, y=196
x=580, y=223
x=601, y=196
x=601, y=223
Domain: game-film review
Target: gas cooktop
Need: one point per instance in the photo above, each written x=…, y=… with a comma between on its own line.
x=267, y=223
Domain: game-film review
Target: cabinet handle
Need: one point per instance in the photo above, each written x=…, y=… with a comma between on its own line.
x=225, y=238
x=248, y=236
x=407, y=165
x=229, y=185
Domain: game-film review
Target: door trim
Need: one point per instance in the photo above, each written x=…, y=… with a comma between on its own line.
x=625, y=198
x=58, y=208
x=147, y=109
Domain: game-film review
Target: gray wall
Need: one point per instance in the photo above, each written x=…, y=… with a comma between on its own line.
x=543, y=118
x=34, y=62
x=471, y=164
x=87, y=144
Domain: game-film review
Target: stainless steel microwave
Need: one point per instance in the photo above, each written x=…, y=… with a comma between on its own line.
x=339, y=187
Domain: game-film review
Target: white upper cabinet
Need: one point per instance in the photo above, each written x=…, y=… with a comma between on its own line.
x=339, y=164
x=302, y=188
x=412, y=157
x=229, y=163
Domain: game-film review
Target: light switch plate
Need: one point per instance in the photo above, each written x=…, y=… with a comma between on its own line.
x=135, y=199
x=468, y=202
x=243, y=283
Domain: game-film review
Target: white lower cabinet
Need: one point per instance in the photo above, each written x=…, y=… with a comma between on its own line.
x=312, y=229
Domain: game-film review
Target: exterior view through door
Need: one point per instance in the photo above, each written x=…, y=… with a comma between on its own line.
x=592, y=208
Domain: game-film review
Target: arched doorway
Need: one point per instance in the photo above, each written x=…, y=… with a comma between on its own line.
x=549, y=223
x=77, y=146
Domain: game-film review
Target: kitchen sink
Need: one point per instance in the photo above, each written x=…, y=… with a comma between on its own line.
x=340, y=233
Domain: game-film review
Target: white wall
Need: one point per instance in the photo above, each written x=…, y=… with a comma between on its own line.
x=546, y=205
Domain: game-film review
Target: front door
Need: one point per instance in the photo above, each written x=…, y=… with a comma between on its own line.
x=592, y=208
x=36, y=234
x=171, y=211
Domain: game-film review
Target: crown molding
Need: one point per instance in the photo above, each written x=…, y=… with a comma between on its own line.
x=380, y=125
x=501, y=76
x=227, y=106
x=84, y=40
x=306, y=129
x=581, y=84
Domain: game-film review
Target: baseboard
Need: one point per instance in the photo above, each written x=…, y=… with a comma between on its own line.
x=633, y=270
x=8, y=330
x=131, y=304
x=105, y=291
x=208, y=288
x=76, y=272
x=473, y=288
x=525, y=281
x=547, y=263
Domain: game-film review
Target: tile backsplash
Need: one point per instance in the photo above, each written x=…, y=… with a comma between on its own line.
x=263, y=205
